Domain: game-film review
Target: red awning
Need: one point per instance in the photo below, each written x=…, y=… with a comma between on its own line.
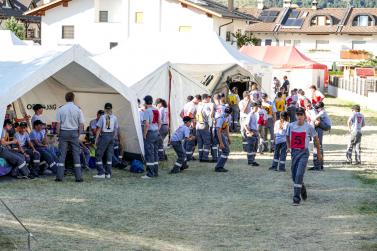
x=283, y=57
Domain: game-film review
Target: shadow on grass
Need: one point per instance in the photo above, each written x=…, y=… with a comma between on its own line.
x=6, y=243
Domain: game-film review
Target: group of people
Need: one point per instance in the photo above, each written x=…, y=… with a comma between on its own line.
x=285, y=124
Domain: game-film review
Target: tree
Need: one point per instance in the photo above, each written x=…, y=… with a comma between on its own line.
x=244, y=39
x=17, y=28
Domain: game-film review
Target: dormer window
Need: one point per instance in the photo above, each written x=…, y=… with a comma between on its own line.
x=321, y=21
x=363, y=20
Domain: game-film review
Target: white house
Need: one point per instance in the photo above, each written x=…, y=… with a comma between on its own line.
x=98, y=25
x=340, y=35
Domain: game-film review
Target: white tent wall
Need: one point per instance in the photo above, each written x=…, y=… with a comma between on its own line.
x=25, y=74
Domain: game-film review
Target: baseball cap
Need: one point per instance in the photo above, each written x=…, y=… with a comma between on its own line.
x=108, y=106
x=186, y=119
x=37, y=122
x=23, y=124
x=36, y=107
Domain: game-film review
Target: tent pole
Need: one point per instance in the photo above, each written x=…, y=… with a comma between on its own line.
x=169, y=97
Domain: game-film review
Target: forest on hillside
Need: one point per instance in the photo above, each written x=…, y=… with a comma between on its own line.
x=307, y=3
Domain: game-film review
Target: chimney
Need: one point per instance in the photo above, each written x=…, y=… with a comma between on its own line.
x=314, y=4
x=287, y=3
x=260, y=4
x=231, y=5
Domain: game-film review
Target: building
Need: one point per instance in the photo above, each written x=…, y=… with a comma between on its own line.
x=16, y=9
x=329, y=35
x=98, y=25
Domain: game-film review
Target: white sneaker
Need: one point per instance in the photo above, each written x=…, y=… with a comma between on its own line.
x=145, y=177
x=99, y=176
x=108, y=176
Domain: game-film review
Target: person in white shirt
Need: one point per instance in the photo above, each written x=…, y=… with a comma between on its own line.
x=245, y=108
x=162, y=107
x=355, y=124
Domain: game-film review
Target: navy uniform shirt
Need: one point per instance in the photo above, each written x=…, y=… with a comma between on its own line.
x=181, y=133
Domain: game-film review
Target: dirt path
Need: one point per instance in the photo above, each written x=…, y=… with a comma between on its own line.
x=245, y=209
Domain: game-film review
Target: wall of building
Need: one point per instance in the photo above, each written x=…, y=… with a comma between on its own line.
x=365, y=102
x=330, y=53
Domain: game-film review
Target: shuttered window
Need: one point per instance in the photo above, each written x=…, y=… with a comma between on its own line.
x=103, y=16
x=68, y=32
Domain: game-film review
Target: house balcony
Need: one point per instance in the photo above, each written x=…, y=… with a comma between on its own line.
x=354, y=54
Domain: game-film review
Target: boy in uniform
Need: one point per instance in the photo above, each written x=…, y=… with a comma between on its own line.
x=39, y=139
x=203, y=114
x=181, y=134
x=107, y=126
x=270, y=109
x=223, y=138
x=355, y=124
x=38, y=111
x=16, y=160
x=162, y=107
x=251, y=130
x=26, y=148
x=152, y=123
x=298, y=138
x=262, y=127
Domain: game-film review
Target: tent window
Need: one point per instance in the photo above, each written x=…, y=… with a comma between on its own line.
x=68, y=32
x=113, y=44
x=268, y=42
x=103, y=16
x=185, y=28
x=139, y=17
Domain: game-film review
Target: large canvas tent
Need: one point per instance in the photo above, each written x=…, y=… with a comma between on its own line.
x=196, y=55
x=32, y=75
x=287, y=60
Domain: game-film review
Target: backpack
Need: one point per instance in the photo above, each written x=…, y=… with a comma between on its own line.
x=137, y=166
x=4, y=167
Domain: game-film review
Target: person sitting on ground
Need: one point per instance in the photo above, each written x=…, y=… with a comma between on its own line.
x=223, y=139
x=180, y=135
x=280, y=153
x=38, y=111
x=355, y=124
x=27, y=149
x=251, y=128
x=317, y=96
x=16, y=160
x=39, y=139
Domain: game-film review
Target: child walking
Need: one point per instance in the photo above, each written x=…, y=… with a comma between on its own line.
x=280, y=154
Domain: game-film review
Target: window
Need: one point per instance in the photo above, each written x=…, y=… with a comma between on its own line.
x=103, y=16
x=268, y=42
x=296, y=42
x=322, y=44
x=321, y=20
x=287, y=42
x=363, y=20
x=68, y=32
x=185, y=28
x=30, y=33
x=113, y=44
x=139, y=16
x=358, y=45
x=228, y=35
x=258, y=42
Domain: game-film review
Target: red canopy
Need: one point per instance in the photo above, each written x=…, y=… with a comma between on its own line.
x=283, y=57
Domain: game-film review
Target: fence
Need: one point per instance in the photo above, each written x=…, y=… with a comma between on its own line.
x=358, y=86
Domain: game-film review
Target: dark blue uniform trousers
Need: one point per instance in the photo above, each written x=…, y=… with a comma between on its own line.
x=66, y=139
x=280, y=156
x=105, y=148
x=299, y=162
x=181, y=156
x=151, y=152
x=224, y=153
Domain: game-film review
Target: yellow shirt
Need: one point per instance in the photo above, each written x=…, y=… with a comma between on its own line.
x=280, y=104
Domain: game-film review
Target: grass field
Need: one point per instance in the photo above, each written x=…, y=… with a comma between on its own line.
x=245, y=209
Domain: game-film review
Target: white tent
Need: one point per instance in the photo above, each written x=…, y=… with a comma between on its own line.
x=32, y=75
x=192, y=49
x=166, y=82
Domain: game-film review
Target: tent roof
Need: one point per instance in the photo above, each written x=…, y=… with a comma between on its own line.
x=182, y=48
x=24, y=67
x=280, y=56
